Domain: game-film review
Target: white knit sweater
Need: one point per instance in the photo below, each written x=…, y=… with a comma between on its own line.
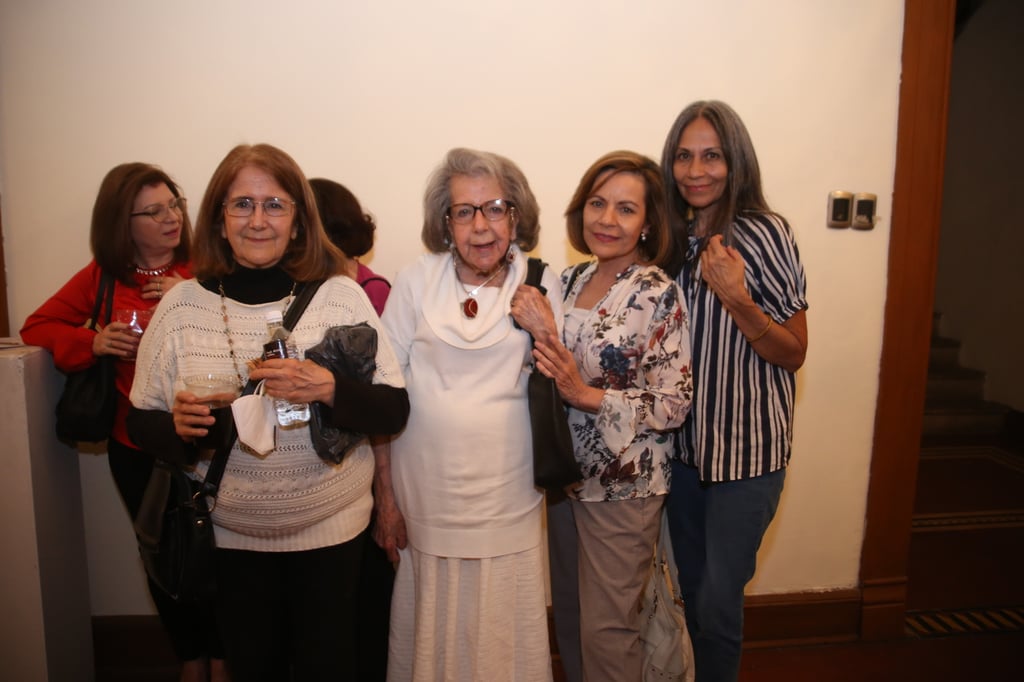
x=290, y=500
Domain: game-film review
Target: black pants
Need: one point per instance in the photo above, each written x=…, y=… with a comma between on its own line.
x=190, y=627
x=376, y=583
x=290, y=615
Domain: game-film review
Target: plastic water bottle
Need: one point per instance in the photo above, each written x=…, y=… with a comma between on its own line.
x=280, y=346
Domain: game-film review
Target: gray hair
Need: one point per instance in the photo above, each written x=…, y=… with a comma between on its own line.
x=473, y=163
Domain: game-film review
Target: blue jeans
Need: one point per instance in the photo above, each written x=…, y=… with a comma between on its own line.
x=716, y=529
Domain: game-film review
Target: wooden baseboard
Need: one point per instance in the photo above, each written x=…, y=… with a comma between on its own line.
x=770, y=620
x=802, y=618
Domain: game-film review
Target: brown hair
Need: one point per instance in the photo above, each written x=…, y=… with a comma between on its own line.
x=656, y=248
x=110, y=233
x=346, y=225
x=310, y=256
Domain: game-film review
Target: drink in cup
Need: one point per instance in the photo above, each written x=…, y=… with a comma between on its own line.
x=135, y=318
x=216, y=391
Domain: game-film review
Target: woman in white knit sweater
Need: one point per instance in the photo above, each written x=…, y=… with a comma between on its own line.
x=289, y=526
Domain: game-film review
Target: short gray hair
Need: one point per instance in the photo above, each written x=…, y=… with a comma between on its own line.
x=473, y=163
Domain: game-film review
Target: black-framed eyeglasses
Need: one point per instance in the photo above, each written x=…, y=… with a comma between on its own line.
x=243, y=207
x=493, y=210
x=161, y=212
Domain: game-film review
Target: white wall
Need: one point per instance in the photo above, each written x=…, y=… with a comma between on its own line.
x=373, y=93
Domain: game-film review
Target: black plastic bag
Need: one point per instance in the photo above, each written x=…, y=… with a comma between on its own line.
x=350, y=351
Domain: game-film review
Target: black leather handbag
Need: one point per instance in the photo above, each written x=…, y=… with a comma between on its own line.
x=554, y=459
x=174, y=529
x=85, y=411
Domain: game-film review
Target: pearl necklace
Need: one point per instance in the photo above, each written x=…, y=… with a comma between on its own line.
x=227, y=329
x=470, y=307
x=154, y=272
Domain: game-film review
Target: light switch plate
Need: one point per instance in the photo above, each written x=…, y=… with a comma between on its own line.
x=840, y=209
x=864, y=205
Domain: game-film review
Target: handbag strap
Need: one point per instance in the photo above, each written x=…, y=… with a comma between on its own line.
x=534, y=271
x=105, y=289
x=298, y=305
x=573, y=276
x=211, y=484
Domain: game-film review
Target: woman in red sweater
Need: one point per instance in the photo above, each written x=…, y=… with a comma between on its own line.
x=140, y=235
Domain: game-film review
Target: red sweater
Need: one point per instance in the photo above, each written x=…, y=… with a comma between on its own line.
x=58, y=327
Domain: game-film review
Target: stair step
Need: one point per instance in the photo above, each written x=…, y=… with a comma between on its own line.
x=958, y=418
x=949, y=383
x=944, y=352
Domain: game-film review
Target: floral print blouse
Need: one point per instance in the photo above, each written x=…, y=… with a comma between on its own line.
x=635, y=344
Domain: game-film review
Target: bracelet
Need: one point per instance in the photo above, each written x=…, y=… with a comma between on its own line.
x=763, y=331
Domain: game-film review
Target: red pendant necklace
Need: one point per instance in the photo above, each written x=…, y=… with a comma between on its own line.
x=470, y=306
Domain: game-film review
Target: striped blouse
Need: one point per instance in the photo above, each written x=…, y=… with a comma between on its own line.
x=741, y=421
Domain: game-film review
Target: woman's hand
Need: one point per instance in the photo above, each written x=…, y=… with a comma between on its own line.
x=532, y=311
x=192, y=418
x=723, y=269
x=115, y=339
x=554, y=360
x=156, y=287
x=297, y=381
x=783, y=344
x=389, y=526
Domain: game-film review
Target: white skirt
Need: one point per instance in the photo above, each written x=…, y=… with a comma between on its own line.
x=467, y=620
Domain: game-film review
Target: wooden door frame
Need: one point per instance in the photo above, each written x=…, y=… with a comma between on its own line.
x=913, y=257
x=5, y=321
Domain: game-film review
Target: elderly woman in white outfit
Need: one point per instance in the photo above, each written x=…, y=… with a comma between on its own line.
x=465, y=519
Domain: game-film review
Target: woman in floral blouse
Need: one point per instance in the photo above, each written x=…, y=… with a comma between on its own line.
x=623, y=367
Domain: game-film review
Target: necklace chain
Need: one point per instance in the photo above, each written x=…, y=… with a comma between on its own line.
x=154, y=272
x=227, y=328
x=470, y=308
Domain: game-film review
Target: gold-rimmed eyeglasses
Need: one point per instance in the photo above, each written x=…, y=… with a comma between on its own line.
x=243, y=207
x=161, y=212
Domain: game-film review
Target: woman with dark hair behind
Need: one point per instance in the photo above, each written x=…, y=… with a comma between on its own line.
x=739, y=267
x=290, y=526
x=141, y=236
x=352, y=230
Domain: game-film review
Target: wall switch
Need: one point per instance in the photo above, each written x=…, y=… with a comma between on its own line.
x=840, y=209
x=864, y=210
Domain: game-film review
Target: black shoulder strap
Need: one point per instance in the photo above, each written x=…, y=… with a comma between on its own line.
x=211, y=484
x=534, y=271
x=105, y=288
x=298, y=306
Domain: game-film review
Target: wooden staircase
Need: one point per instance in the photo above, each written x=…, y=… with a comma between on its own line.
x=967, y=541
x=955, y=408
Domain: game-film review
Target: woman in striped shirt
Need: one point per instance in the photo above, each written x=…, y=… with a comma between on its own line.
x=739, y=267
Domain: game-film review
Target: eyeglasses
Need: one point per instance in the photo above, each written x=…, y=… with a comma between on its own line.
x=493, y=210
x=243, y=207
x=161, y=212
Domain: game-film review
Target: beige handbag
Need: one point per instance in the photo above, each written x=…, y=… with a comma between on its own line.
x=668, y=652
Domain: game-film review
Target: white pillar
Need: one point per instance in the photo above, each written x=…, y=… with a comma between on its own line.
x=44, y=582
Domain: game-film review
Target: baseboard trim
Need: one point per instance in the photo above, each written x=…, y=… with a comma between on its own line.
x=797, y=618
x=789, y=619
